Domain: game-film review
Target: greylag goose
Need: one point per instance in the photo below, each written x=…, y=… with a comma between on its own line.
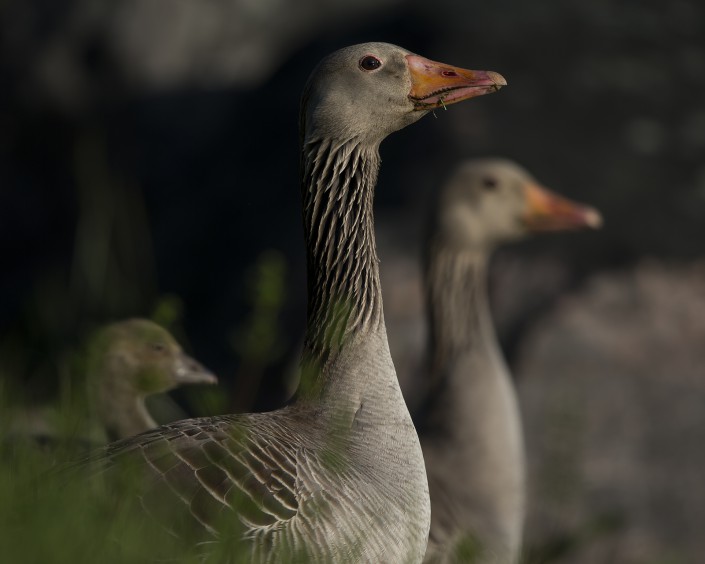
x=130, y=360
x=337, y=474
x=469, y=423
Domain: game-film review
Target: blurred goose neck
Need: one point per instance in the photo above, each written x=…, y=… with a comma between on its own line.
x=458, y=307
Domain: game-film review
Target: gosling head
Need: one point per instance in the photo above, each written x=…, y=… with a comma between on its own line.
x=140, y=357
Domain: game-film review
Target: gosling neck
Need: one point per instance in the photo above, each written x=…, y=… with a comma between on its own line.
x=123, y=412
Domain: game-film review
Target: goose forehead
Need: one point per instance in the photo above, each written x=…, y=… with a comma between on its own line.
x=374, y=47
x=348, y=57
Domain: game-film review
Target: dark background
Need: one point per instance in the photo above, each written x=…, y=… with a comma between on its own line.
x=149, y=167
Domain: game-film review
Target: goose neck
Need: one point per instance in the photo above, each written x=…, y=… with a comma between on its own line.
x=344, y=291
x=457, y=303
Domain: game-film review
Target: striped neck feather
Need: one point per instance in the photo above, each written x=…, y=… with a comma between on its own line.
x=344, y=291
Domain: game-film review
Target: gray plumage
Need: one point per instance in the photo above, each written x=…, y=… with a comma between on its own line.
x=469, y=424
x=338, y=474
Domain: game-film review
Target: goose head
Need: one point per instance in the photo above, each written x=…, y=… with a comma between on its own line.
x=140, y=358
x=488, y=202
x=370, y=90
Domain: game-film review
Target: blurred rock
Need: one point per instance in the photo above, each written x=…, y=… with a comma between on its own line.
x=72, y=53
x=612, y=389
x=167, y=43
x=404, y=300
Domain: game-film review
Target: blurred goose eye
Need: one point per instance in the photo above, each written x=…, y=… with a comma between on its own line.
x=370, y=63
x=489, y=183
x=158, y=347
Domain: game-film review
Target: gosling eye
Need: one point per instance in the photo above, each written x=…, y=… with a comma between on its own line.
x=158, y=347
x=489, y=183
x=370, y=63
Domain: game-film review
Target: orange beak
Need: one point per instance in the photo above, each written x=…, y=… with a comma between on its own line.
x=547, y=211
x=435, y=85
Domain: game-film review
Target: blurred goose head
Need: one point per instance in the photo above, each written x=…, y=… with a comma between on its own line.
x=488, y=202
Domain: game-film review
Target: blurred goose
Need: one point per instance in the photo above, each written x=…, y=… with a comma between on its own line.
x=469, y=425
x=130, y=360
x=338, y=474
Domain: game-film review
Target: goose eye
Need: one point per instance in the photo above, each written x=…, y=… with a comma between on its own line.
x=370, y=63
x=489, y=183
x=158, y=347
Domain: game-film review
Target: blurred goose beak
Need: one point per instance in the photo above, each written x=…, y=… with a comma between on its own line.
x=547, y=211
x=435, y=85
x=190, y=371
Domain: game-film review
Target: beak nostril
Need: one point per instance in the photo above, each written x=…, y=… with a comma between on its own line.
x=449, y=73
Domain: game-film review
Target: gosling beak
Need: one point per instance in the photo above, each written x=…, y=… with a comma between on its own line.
x=547, y=211
x=190, y=371
x=435, y=85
